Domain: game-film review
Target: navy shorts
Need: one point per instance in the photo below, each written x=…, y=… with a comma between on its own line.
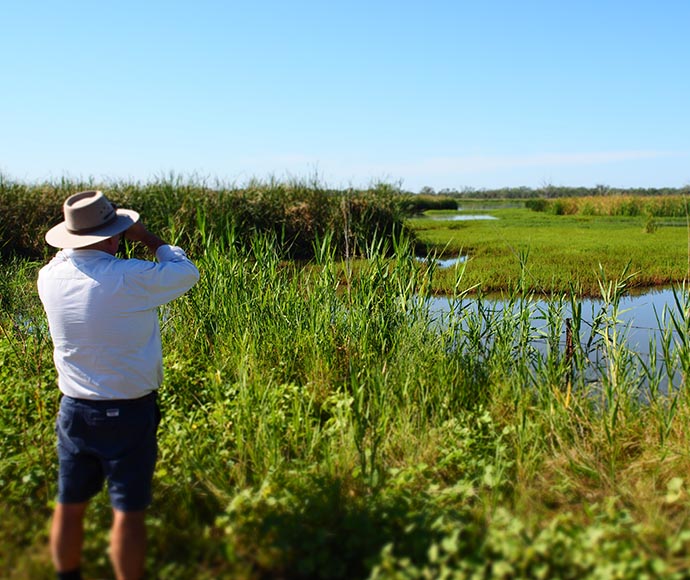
x=113, y=441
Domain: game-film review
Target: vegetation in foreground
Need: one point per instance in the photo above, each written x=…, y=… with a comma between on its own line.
x=313, y=430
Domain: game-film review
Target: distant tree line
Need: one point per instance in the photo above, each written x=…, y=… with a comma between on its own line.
x=550, y=191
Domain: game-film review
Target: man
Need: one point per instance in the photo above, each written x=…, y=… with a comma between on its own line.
x=102, y=314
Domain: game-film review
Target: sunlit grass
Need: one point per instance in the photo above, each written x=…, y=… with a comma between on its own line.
x=321, y=421
x=562, y=250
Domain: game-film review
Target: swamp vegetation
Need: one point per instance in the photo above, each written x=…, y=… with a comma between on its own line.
x=320, y=422
x=554, y=254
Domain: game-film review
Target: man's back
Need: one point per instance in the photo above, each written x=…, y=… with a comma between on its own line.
x=103, y=319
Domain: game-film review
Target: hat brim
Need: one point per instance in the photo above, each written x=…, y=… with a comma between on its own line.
x=59, y=237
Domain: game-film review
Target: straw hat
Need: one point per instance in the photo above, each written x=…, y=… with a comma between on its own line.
x=89, y=218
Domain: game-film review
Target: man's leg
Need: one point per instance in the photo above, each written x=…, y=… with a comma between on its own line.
x=128, y=544
x=67, y=536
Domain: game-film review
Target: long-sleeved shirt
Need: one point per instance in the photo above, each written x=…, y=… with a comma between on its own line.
x=103, y=319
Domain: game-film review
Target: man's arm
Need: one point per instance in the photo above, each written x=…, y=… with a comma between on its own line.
x=138, y=233
x=168, y=278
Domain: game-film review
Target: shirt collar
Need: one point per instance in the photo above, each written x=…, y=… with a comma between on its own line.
x=80, y=253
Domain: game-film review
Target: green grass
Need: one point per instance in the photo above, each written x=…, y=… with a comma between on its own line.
x=555, y=254
x=316, y=424
x=297, y=214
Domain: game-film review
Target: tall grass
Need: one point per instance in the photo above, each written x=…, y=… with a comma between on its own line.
x=294, y=213
x=325, y=421
x=614, y=205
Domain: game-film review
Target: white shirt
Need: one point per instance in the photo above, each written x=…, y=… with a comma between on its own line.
x=103, y=319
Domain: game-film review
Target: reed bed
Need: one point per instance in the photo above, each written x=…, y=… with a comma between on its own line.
x=296, y=213
x=615, y=205
x=323, y=421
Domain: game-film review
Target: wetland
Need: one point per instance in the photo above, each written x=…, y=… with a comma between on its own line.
x=334, y=407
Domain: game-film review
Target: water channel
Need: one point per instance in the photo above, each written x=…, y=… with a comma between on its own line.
x=463, y=217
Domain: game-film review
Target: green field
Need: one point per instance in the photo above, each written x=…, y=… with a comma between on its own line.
x=556, y=253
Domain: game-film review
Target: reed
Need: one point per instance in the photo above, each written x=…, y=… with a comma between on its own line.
x=671, y=206
x=295, y=213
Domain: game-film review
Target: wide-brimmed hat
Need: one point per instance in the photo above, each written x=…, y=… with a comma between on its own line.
x=89, y=218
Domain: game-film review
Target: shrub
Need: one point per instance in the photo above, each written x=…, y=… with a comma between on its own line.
x=537, y=204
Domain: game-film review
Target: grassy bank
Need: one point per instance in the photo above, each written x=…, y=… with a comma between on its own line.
x=317, y=424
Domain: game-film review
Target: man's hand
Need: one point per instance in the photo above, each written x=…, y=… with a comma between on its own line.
x=138, y=233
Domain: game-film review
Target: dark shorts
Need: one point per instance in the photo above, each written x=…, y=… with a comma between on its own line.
x=107, y=440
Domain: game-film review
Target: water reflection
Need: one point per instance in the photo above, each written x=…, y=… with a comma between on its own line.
x=443, y=262
x=645, y=325
x=455, y=217
x=642, y=315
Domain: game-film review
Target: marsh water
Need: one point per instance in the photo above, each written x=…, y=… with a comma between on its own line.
x=444, y=262
x=642, y=323
x=464, y=217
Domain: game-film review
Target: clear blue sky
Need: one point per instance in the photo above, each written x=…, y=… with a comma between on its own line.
x=446, y=94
